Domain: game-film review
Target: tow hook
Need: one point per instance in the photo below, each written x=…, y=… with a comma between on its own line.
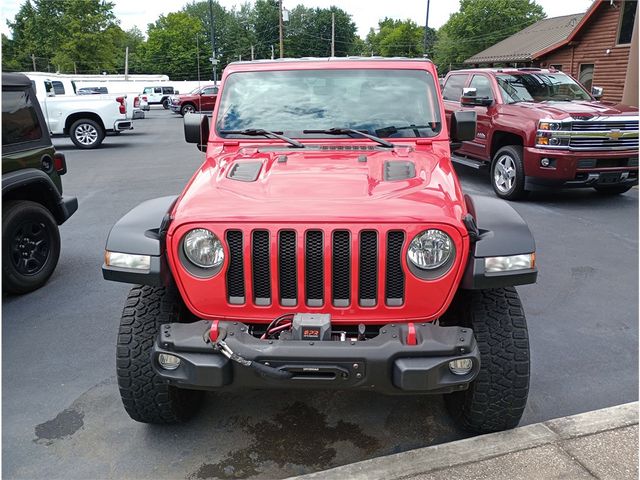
x=264, y=370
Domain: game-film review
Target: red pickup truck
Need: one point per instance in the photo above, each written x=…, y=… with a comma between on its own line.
x=542, y=128
x=201, y=99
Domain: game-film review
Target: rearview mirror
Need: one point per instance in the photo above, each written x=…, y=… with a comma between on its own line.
x=196, y=129
x=597, y=92
x=463, y=127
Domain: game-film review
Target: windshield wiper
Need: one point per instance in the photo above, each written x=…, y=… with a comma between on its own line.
x=255, y=132
x=350, y=131
x=391, y=129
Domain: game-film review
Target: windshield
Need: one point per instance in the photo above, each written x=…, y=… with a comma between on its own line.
x=385, y=103
x=540, y=87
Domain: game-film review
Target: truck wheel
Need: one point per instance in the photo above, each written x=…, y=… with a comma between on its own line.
x=187, y=108
x=507, y=173
x=30, y=246
x=146, y=397
x=165, y=103
x=86, y=133
x=612, y=190
x=496, y=399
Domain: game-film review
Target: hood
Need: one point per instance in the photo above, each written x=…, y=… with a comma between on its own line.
x=325, y=183
x=580, y=110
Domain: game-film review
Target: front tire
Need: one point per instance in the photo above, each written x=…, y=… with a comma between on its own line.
x=187, y=108
x=507, y=173
x=30, y=246
x=146, y=397
x=496, y=399
x=165, y=103
x=86, y=133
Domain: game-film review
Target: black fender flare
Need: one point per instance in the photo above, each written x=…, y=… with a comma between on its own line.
x=142, y=232
x=501, y=232
x=60, y=207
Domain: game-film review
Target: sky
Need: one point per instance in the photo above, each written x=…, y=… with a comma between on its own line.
x=365, y=13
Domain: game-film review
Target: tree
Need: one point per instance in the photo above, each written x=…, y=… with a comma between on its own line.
x=479, y=24
x=173, y=44
x=396, y=38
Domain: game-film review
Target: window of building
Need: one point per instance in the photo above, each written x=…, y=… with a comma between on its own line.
x=556, y=67
x=19, y=118
x=482, y=86
x=586, y=75
x=627, y=17
x=453, y=87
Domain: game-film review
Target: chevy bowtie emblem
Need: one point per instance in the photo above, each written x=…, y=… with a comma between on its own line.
x=614, y=134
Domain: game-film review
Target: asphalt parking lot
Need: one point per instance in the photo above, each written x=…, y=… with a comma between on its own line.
x=62, y=416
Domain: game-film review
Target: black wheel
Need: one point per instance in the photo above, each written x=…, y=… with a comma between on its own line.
x=165, y=103
x=86, y=133
x=507, y=173
x=187, y=108
x=146, y=397
x=496, y=399
x=612, y=189
x=30, y=246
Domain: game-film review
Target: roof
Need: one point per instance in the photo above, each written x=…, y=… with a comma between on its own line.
x=15, y=80
x=527, y=44
x=330, y=59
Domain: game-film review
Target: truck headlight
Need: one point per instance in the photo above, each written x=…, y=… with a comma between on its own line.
x=510, y=263
x=203, y=248
x=549, y=126
x=127, y=260
x=430, y=249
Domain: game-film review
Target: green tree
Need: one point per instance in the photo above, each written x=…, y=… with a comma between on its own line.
x=308, y=32
x=396, y=38
x=479, y=24
x=173, y=44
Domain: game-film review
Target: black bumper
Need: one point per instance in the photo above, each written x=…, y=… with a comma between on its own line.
x=385, y=363
x=586, y=180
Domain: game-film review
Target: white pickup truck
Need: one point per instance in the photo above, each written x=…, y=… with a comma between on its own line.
x=85, y=118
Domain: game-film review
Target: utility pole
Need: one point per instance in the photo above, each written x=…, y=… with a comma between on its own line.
x=333, y=34
x=75, y=69
x=252, y=56
x=271, y=52
x=33, y=59
x=214, y=60
x=281, y=38
x=126, y=64
x=426, y=30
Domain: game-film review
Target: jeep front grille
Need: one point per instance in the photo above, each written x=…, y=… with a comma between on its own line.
x=315, y=268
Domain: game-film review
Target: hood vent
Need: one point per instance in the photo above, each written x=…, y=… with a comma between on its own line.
x=348, y=147
x=399, y=170
x=245, y=171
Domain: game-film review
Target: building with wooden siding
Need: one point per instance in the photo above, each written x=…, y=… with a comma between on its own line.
x=593, y=47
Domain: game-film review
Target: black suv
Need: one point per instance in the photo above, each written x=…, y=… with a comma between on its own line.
x=32, y=201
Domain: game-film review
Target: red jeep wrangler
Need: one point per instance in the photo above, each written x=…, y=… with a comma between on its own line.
x=325, y=243
x=541, y=128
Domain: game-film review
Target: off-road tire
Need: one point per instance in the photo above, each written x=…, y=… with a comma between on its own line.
x=86, y=133
x=187, y=108
x=16, y=217
x=612, y=190
x=165, y=103
x=513, y=154
x=496, y=399
x=146, y=397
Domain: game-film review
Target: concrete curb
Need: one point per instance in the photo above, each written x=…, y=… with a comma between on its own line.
x=483, y=447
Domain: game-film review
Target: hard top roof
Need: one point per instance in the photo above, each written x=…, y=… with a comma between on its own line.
x=15, y=80
x=330, y=59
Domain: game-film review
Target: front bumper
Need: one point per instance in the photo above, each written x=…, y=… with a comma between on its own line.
x=122, y=125
x=568, y=168
x=385, y=363
x=175, y=108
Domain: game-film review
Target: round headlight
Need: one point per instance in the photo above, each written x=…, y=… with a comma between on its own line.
x=430, y=249
x=203, y=248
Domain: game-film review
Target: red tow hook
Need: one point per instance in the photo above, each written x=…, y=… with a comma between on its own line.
x=214, y=331
x=412, y=338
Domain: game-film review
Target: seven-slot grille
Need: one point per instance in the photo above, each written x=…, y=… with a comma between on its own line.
x=302, y=281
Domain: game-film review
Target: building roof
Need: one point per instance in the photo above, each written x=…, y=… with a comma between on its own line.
x=527, y=44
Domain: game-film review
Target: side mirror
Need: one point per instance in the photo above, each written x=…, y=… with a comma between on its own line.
x=463, y=127
x=215, y=90
x=196, y=129
x=176, y=92
x=470, y=98
x=597, y=92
